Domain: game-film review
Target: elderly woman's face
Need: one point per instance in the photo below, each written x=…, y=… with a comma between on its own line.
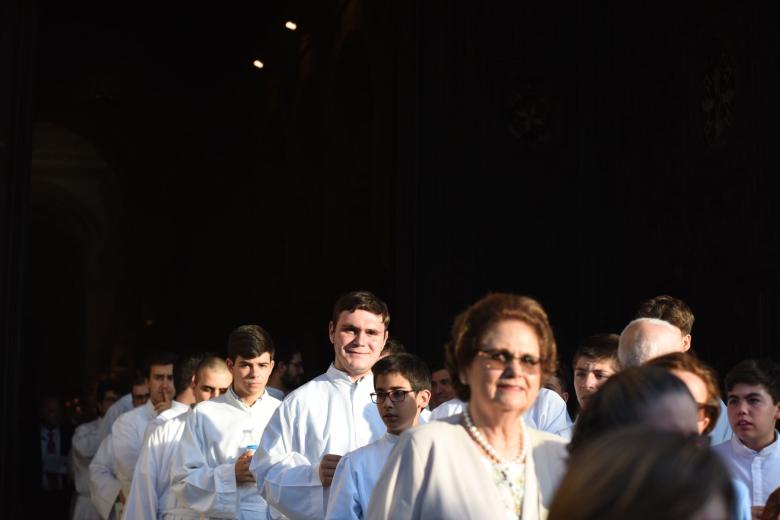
x=510, y=381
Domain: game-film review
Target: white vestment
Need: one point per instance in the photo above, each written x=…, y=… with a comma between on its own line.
x=204, y=477
x=548, y=413
x=122, y=405
x=128, y=437
x=355, y=479
x=84, y=445
x=758, y=470
x=104, y=487
x=437, y=471
x=330, y=414
x=150, y=492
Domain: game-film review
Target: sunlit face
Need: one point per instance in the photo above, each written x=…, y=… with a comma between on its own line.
x=674, y=412
x=698, y=389
x=250, y=375
x=513, y=387
x=160, y=383
x=358, y=338
x=752, y=414
x=400, y=416
x=441, y=388
x=589, y=375
x=140, y=394
x=211, y=383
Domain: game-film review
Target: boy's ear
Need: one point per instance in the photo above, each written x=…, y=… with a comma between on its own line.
x=423, y=398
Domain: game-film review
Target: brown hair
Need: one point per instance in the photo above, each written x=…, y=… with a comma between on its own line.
x=670, y=309
x=643, y=475
x=599, y=347
x=250, y=341
x=364, y=301
x=758, y=372
x=688, y=362
x=470, y=326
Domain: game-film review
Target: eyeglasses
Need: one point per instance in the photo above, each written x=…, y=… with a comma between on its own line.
x=396, y=396
x=499, y=358
x=706, y=410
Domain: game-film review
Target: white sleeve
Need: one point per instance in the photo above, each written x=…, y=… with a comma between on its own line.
x=343, y=501
x=549, y=412
x=86, y=441
x=126, y=446
x=211, y=491
x=143, y=497
x=103, y=484
x=286, y=478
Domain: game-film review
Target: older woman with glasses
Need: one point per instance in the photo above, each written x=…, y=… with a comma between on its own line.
x=484, y=463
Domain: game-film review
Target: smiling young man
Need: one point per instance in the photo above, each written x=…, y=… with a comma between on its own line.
x=402, y=385
x=327, y=417
x=210, y=473
x=753, y=404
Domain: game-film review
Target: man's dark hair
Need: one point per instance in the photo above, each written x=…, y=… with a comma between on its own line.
x=138, y=378
x=409, y=366
x=250, y=341
x=598, y=346
x=756, y=372
x=393, y=346
x=670, y=309
x=184, y=371
x=105, y=386
x=363, y=301
x=159, y=358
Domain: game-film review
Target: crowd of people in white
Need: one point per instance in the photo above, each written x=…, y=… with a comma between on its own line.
x=486, y=434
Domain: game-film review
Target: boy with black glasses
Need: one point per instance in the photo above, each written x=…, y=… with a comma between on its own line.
x=402, y=384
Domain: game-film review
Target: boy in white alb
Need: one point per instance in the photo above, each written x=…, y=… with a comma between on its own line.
x=327, y=417
x=402, y=385
x=150, y=492
x=210, y=472
x=753, y=404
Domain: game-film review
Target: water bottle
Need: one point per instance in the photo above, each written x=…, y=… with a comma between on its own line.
x=248, y=442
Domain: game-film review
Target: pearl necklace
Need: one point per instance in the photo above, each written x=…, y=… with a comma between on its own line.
x=488, y=448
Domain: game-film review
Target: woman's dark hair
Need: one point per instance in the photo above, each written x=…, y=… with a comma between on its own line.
x=642, y=475
x=625, y=399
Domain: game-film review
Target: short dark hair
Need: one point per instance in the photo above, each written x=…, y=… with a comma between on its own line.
x=250, y=341
x=138, y=378
x=364, y=301
x=598, y=346
x=625, y=399
x=184, y=370
x=758, y=372
x=670, y=309
x=393, y=346
x=105, y=386
x=409, y=366
x=159, y=358
x=471, y=325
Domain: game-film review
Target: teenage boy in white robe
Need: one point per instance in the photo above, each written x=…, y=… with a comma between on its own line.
x=128, y=431
x=85, y=443
x=327, y=417
x=210, y=472
x=150, y=493
x=402, y=385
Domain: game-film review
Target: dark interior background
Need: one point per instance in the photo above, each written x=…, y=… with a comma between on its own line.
x=590, y=155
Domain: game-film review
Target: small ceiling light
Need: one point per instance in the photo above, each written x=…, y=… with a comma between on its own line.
x=291, y=25
x=258, y=64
